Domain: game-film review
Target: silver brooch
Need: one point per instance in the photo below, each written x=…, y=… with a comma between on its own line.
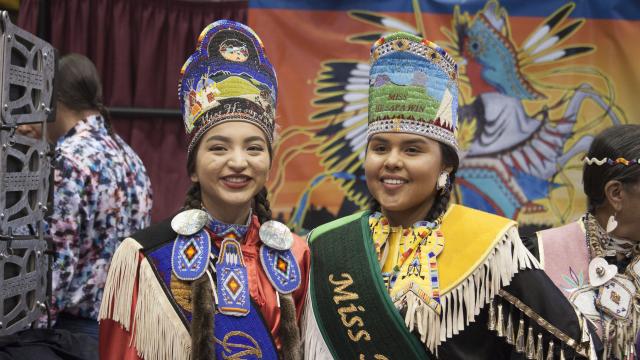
x=276, y=235
x=189, y=222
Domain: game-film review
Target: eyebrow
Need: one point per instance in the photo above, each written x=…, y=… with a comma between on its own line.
x=405, y=142
x=378, y=139
x=254, y=138
x=414, y=141
x=218, y=138
x=228, y=140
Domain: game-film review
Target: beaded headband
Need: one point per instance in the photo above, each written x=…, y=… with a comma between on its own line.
x=600, y=162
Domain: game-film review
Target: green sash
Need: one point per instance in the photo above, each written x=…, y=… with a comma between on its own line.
x=351, y=305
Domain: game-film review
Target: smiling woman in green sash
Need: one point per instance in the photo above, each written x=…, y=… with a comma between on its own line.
x=415, y=278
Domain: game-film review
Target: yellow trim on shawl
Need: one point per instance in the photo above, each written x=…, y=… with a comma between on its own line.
x=470, y=237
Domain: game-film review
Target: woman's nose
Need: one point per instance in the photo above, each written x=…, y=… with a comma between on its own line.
x=393, y=160
x=238, y=160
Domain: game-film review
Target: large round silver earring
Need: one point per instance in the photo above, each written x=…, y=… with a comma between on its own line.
x=443, y=179
x=612, y=224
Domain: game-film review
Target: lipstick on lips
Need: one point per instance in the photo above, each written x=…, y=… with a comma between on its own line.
x=235, y=181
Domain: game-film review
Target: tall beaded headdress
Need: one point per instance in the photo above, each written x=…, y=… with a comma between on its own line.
x=227, y=78
x=413, y=89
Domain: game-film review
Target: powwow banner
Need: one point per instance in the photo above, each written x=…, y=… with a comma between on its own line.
x=537, y=80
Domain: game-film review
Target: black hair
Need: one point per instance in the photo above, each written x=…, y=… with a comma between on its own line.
x=441, y=202
x=79, y=88
x=622, y=141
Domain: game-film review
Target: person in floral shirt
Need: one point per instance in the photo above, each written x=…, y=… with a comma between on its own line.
x=102, y=194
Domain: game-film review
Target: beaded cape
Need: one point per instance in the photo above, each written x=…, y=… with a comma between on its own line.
x=490, y=290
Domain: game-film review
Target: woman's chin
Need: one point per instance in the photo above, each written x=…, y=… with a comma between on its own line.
x=237, y=202
x=392, y=206
x=233, y=202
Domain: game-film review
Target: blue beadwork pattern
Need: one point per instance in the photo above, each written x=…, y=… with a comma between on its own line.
x=232, y=280
x=281, y=269
x=190, y=255
x=246, y=335
x=160, y=258
x=223, y=230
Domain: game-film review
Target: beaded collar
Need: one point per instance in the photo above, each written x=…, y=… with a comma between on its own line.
x=602, y=244
x=416, y=268
x=222, y=230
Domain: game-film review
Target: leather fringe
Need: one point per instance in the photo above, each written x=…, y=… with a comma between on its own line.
x=464, y=302
x=158, y=330
x=530, y=342
x=118, y=290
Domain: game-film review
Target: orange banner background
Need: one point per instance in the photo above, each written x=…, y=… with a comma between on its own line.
x=298, y=41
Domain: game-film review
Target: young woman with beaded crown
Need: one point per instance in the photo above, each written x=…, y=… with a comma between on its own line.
x=415, y=278
x=595, y=261
x=220, y=279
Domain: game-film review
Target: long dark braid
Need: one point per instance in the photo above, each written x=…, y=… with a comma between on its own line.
x=193, y=200
x=104, y=112
x=441, y=203
x=262, y=207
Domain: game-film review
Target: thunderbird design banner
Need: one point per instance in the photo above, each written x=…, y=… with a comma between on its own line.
x=537, y=81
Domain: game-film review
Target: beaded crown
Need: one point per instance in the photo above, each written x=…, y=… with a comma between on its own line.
x=227, y=78
x=413, y=88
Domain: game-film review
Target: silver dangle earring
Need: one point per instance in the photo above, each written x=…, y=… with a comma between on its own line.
x=612, y=224
x=443, y=179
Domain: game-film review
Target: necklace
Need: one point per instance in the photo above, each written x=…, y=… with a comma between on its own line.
x=596, y=239
x=617, y=295
x=415, y=265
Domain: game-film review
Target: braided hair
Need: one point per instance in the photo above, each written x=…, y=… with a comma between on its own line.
x=441, y=202
x=261, y=206
x=106, y=116
x=193, y=198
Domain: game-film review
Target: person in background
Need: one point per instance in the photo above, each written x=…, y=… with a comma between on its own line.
x=101, y=194
x=595, y=261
